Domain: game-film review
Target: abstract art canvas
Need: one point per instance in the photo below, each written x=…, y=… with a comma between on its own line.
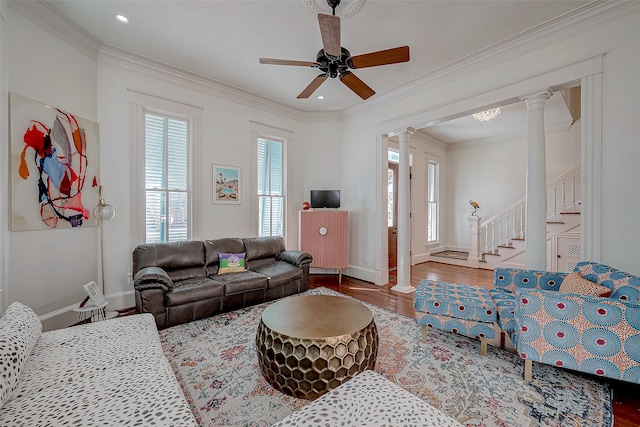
x=54, y=167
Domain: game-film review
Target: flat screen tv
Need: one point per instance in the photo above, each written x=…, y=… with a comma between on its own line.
x=324, y=199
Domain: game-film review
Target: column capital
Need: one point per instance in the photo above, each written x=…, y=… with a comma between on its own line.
x=402, y=131
x=537, y=96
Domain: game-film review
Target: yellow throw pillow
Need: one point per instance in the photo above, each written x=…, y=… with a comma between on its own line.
x=573, y=283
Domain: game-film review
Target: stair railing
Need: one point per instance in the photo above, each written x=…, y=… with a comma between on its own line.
x=563, y=195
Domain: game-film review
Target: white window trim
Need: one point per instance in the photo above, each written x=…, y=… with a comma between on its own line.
x=259, y=130
x=139, y=105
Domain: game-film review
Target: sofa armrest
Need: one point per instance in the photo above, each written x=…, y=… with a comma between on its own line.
x=512, y=279
x=152, y=278
x=297, y=258
x=590, y=334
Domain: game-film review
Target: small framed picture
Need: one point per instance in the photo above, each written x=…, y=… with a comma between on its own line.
x=226, y=184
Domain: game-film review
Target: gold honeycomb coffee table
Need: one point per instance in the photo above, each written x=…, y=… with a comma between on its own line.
x=310, y=344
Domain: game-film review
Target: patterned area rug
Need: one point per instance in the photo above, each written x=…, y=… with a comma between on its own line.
x=215, y=362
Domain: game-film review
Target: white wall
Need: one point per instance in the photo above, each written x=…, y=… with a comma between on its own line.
x=48, y=268
x=313, y=160
x=40, y=66
x=493, y=173
x=518, y=74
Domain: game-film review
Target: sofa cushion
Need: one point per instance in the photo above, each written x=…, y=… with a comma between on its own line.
x=279, y=273
x=193, y=290
x=575, y=284
x=104, y=373
x=237, y=283
x=20, y=329
x=625, y=286
x=263, y=247
x=181, y=260
x=64, y=356
x=227, y=245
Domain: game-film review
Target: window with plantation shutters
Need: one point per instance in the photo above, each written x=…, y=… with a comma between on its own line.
x=432, y=201
x=270, y=186
x=166, y=178
x=165, y=157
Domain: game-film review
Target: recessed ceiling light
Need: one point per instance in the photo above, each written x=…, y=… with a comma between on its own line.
x=122, y=18
x=320, y=97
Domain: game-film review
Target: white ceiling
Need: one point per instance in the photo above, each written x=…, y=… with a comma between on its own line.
x=222, y=40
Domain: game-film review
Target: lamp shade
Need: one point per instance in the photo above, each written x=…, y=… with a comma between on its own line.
x=103, y=211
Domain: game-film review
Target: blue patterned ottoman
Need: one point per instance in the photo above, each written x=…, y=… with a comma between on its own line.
x=453, y=307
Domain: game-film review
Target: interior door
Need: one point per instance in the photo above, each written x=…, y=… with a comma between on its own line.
x=392, y=214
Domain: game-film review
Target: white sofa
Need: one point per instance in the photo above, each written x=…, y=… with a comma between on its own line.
x=105, y=373
x=368, y=400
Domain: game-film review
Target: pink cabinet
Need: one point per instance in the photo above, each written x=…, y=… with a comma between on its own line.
x=323, y=234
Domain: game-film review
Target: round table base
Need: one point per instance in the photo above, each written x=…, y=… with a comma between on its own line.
x=308, y=368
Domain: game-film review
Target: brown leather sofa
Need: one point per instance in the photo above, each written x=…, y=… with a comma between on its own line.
x=179, y=282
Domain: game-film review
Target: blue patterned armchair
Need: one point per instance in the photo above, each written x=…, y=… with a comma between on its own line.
x=595, y=335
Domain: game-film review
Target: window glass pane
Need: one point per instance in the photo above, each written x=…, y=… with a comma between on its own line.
x=270, y=187
x=177, y=151
x=432, y=202
x=154, y=151
x=276, y=216
x=276, y=168
x=166, y=171
x=393, y=156
x=178, y=217
x=155, y=222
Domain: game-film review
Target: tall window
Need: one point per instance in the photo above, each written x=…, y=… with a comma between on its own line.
x=166, y=178
x=270, y=186
x=432, y=201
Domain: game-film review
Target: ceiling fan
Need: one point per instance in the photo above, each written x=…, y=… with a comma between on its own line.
x=336, y=61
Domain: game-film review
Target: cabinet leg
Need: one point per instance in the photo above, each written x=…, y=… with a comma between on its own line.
x=339, y=275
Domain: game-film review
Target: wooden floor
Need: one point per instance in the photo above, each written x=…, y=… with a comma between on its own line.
x=626, y=396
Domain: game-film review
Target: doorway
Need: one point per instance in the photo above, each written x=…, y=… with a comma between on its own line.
x=392, y=214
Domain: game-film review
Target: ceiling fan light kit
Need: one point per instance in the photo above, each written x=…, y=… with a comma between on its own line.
x=336, y=61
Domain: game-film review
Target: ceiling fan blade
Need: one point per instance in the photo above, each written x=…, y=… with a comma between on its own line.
x=330, y=32
x=355, y=84
x=381, y=57
x=315, y=84
x=272, y=61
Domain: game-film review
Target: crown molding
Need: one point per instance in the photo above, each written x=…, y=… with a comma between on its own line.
x=189, y=80
x=46, y=16
x=592, y=15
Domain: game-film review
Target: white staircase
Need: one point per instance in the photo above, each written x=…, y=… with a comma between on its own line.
x=502, y=237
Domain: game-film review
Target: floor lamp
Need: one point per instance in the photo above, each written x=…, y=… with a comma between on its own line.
x=103, y=212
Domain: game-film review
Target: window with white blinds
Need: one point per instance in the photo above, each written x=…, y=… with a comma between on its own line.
x=166, y=178
x=432, y=201
x=270, y=186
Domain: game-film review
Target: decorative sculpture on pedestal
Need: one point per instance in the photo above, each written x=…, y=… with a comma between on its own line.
x=475, y=206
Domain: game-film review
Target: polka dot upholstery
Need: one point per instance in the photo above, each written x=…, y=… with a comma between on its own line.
x=455, y=307
x=105, y=373
x=20, y=329
x=368, y=399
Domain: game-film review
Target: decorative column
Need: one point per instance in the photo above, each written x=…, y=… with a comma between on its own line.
x=404, y=215
x=536, y=223
x=474, y=242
